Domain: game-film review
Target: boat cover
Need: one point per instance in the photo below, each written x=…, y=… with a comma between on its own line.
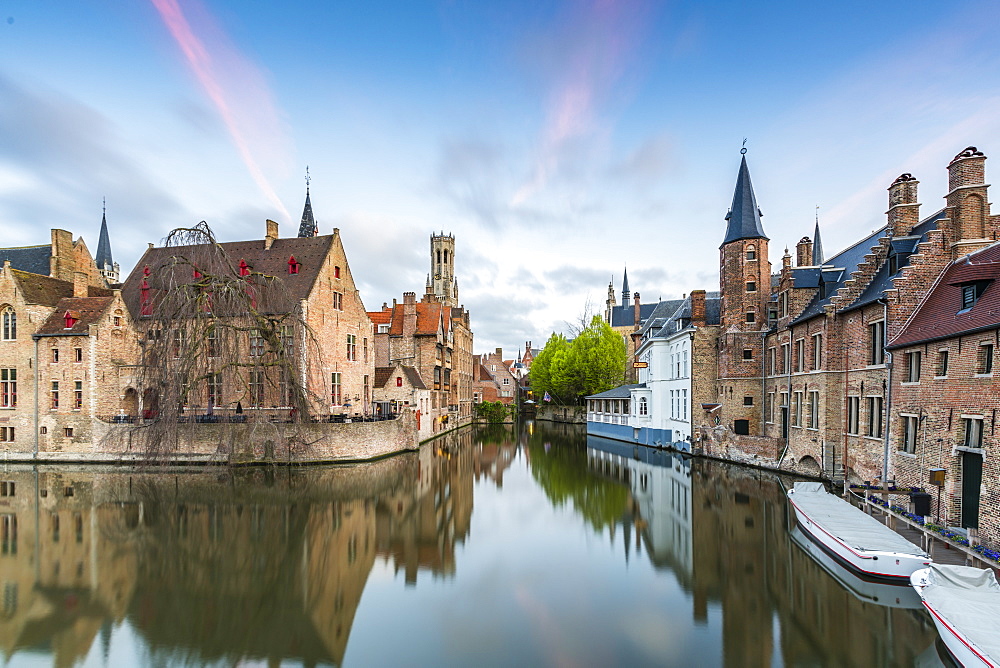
x=852, y=526
x=969, y=599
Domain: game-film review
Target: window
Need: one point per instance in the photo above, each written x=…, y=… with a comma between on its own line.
x=214, y=383
x=68, y=432
x=399, y=381
x=741, y=427
x=383, y=329
x=364, y=348
x=971, y=292
x=817, y=359
x=875, y=417
x=55, y=394
x=7, y=436
x=748, y=401
x=973, y=432
x=338, y=301
x=786, y=358
x=293, y=265
x=335, y=388
x=909, y=429
x=117, y=321
x=257, y=388
x=77, y=354
x=876, y=343
x=8, y=388
x=287, y=340
x=772, y=361
x=684, y=404
x=747, y=354
x=913, y=367
x=985, y=362
x=796, y=409
x=352, y=347
x=942, y=364
x=55, y=354
x=256, y=343
x=853, y=414
x=506, y=381
x=643, y=406
x=78, y=395
x=751, y=253
x=800, y=355
x=814, y=410
x=750, y=316
x=9, y=324
x=769, y=406
x=212, y=342
x=336, y=272
x=751, y=286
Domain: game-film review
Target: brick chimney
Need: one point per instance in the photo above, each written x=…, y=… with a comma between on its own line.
x=637, y=314
x=804, y=252
x=904, y=210
x=409, y=314
x=270, y=234
x=80, y=283
x=698, y=308
x=967, y=204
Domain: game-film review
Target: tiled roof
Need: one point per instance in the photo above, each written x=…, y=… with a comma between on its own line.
x=87, y=311
x=33, y=259
x=940, y=315
x=309, y=252
x=429, y=316
x=380, y=317
x=623, y=392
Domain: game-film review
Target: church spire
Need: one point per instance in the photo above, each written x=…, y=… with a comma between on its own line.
x=105, y=264
x=744, y=215
x=626, y=296
x=308, y=228
x=817, y=258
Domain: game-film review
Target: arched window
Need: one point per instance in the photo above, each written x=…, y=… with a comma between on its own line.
x=643, y=406
x=9, y=319
x=751, y=252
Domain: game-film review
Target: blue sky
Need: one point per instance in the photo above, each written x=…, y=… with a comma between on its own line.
x=559, y=141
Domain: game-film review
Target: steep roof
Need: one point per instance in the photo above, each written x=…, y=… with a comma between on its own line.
x=384, y=373
x=47, y=291
x=624, y=315
x=103, y=257
x=817, y=258
x=309, y=252
x=34, y=259
x=308, y=228
x=941, y=316
x=430, y=315
x=87, y=311
x=744, y=215
x=380, y=317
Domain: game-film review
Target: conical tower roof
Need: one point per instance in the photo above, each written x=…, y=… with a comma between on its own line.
x=308, y=228
x=744, y=215
x=103, y=257
x=817, y=246
x=625, y=291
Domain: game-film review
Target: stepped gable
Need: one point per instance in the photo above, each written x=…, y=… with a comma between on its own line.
x=86, y=310
x=32, y=259
x=309, y=252
x=941, y=316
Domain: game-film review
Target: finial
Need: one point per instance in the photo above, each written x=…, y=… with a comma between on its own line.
x=817, y=214
x=743, y=151
x=308, y=179
x=104, y=205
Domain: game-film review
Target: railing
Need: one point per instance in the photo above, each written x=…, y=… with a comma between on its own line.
x=610, y=418
x=280, y=415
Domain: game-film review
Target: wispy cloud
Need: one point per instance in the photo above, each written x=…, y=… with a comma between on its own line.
x=236, y=88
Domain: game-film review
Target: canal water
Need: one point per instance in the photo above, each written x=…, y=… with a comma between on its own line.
x=491, y=546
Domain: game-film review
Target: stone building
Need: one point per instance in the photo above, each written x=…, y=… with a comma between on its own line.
x=401, y=386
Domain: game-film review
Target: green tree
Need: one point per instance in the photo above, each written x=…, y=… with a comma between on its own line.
x=593, y=362
x=541, y=367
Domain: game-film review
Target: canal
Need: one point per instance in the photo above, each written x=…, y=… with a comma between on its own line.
x=491, y=546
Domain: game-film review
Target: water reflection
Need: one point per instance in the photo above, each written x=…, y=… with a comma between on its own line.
x=593, y=552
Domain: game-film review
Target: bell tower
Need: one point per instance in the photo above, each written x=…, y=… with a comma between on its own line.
x=443, y=269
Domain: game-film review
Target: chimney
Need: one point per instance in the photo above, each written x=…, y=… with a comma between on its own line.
x=804, y=252
x=698, y=308
x=61, y=262
x=786, y=261
x=409, y=314
x=271, y=234
x=904, y=210
x=637, y=317
x=80, y=284
x=968, y=168
x=967, y=203
x=409, y=298
x=500, y=353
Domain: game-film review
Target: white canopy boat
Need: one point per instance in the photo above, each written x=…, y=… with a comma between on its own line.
x=964, y=603
x=878, y=592
x=856, y=539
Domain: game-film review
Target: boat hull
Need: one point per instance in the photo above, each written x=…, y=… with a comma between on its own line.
x=958, y=645
x=870, y=564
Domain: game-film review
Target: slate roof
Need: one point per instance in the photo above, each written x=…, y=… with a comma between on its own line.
x=308, y=228
x=744, y=215
x=33, y=259
x=309, y=252
x=384, y=373
x=103, y=257
x=624, y=315
x=940, y=315
x=623, y=392
x=668, y=313
x=87, y=310
x=817, y=258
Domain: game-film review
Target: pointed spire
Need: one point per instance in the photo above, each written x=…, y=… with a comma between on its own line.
x=625, y=293
x=744, y=215
x=308, y=228
x=817, y=244
x=103, y=258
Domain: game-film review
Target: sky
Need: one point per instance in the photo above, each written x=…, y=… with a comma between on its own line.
x=560, y=142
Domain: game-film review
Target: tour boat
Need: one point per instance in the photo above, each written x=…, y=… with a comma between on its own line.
x=964, y=603
x=878, y=592
x=853, y=537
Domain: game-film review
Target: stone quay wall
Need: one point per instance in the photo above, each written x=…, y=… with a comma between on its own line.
x=572, y=414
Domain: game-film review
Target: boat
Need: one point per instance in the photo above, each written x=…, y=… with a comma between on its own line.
x=877, y=592
x=964, y=603
x=854, y=538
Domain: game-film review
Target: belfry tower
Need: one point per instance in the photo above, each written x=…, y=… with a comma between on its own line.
x=745, y=285
x=443, y=280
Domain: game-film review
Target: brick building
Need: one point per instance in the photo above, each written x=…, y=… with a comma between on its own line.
x=495, y=381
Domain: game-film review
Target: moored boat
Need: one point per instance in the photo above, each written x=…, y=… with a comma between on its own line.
x=964, y=603
x=856, y=539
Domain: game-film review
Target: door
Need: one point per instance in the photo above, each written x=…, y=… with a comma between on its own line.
x=972, y=479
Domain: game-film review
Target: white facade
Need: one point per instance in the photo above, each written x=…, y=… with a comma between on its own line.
x=667, y=380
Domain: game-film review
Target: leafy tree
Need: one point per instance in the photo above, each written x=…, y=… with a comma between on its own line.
x=541, y=367
x=593, y=362
x=492, y=411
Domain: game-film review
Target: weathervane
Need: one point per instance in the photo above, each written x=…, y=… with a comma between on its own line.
x=104, y=204
x=743, y=151
x=308, y=179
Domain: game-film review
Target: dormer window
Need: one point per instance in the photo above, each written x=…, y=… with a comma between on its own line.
x=70, y=319
x=244, y=268
x=196, y=274
x=145, y=307
x=293, y=265
x=971, y=292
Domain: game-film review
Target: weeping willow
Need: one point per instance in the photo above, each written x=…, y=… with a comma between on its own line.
x=222, y=344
